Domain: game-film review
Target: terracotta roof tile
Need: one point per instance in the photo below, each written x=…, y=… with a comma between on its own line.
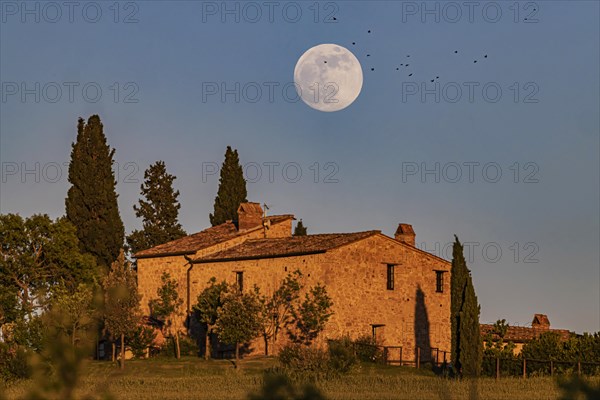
x=201, y=240
x=288, y=246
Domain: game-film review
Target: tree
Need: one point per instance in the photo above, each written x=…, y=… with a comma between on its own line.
x=494, y=340
x=207, y=308
x=232, y=189
x=91, y=202
x=36, y=255
x=311, y=316
x=122, y=301
x=159, y=212
x=141, y=339
x=300, y=229
x=167, y=306
x=547, y=346
x=458, y=274
x=75, y=311
x=495, y=347
x=238, y=318
x=466, y=345
x=471, y=348
x=277, y=309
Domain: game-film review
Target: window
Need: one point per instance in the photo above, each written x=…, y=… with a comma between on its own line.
x=390, y=277
x=239, y=280
x=378, y=333
x=439, y=281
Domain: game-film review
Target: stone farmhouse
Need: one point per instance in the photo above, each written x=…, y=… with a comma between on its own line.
x=521, y=335
x=380, y=286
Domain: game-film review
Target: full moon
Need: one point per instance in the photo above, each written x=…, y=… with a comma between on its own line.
x=328, y=77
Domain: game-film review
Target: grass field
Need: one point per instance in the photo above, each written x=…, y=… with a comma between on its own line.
x=193, y=378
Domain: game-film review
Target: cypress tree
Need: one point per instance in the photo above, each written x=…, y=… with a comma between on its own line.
x=232, y=189
x=159, y=212
x=466, y=345
x=91, y=203
x=300, y=229
x=471, y=347
x=457, y=283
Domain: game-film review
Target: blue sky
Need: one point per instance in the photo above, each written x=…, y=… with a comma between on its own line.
x=533, y=230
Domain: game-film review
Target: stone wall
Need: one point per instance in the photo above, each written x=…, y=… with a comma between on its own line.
x=150, y=270
x=280, y=229
x=356, y=278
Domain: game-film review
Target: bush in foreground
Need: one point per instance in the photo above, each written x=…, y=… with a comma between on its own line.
x=13, y=363
x=279, y=387
x=314, y=363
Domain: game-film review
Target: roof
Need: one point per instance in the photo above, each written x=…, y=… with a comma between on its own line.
x=201, y=240
x=285, y=247
x=522, y=333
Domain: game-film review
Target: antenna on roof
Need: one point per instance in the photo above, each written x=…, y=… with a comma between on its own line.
x=266, y=221
x=265, y=208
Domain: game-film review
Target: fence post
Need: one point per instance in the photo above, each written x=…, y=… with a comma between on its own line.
x=418, y=357
x=385, y=355
x=400, y=356
x=551, y=368
x=524, y=368
x=497, y=368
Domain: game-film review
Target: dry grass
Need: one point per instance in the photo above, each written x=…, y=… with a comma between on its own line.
x=193, y=378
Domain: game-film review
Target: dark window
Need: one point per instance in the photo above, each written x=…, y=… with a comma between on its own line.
x=439, y=281
x=378, y=333
x=390, y=276
x=239, y=279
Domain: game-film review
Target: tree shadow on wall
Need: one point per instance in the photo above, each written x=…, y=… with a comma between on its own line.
x=421, y=328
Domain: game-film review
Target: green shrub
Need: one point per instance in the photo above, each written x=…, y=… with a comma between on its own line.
x=187, y=347
x=13, y=363
x=313, y=363
x=342, y=356
x=141, y=339
x=277, y=387
x=303, y=362
x=367, y=349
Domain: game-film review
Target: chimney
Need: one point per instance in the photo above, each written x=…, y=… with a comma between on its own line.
x=249, y=216
x=406, y=234
x=540, y=321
